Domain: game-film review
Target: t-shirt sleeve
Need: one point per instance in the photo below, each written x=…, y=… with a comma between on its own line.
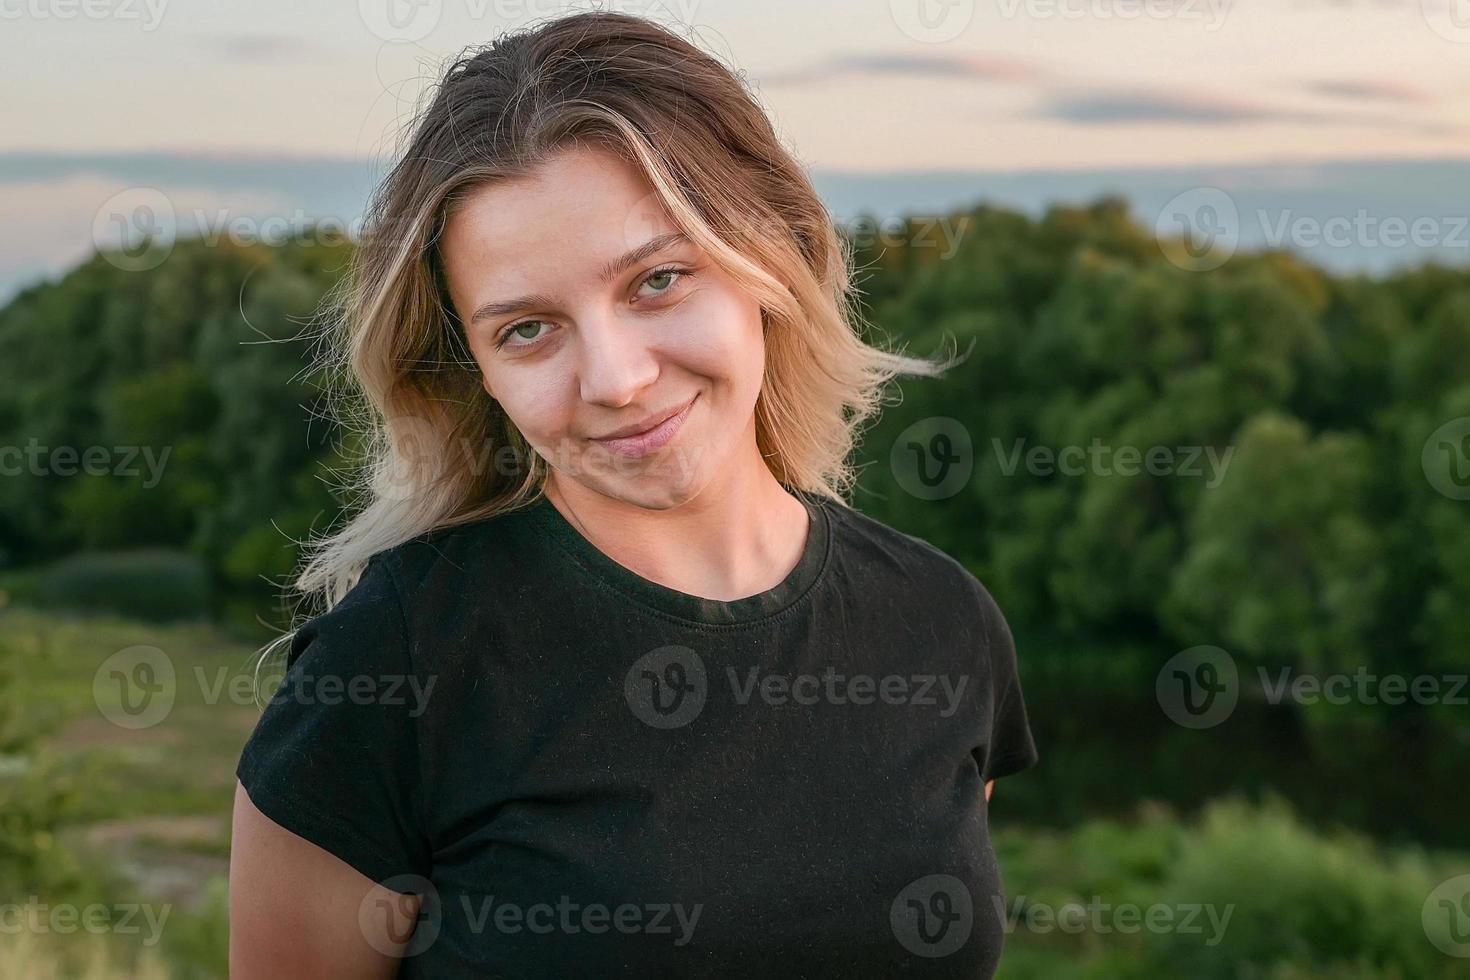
x=334, y=757
x=1010, y=747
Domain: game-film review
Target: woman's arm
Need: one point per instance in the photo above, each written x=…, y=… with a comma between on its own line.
x=297, y=910
x=989, y=788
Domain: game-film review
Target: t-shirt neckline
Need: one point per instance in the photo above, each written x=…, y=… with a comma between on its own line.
x=683, y=605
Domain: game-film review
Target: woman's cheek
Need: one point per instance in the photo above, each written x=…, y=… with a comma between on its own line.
x=539, y=408
x=711, y=341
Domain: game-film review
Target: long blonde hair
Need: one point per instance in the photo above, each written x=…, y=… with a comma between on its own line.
x=404, y=380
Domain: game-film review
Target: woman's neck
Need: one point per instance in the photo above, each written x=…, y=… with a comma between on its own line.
x=738, y=536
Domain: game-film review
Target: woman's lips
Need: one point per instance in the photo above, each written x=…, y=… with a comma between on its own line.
x=643, y=443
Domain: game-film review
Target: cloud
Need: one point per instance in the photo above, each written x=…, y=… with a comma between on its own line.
x=1378, y=91
x=1123, y=107
x=1091, y=108
x=254, y=48
x=899, y=65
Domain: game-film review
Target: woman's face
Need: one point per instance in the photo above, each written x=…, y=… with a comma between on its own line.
x=589, y=316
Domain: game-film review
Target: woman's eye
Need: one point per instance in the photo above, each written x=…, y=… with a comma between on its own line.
x=517, y=332
x=663, y=280
x=527, y=333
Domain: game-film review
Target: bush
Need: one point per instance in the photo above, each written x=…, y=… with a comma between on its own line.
x=1276, y=900
x=1328, y=904
x=151, y=583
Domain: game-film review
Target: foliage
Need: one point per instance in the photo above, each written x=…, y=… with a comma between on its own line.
x=1275, y=898
x=1290, y=519
x=169, y=408
x=146, y=583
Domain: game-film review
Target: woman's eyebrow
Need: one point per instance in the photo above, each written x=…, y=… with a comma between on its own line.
x=610, y=272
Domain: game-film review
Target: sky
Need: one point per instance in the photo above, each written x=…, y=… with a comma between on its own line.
x=855, y=87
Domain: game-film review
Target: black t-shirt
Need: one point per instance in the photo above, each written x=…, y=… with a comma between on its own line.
x=588, y=774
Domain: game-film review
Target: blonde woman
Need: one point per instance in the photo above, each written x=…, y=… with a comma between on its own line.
x=606, y=679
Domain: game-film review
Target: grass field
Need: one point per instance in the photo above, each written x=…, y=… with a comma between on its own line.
x=145, y=811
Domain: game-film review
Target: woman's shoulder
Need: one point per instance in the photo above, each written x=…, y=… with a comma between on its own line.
x=405, y=591
x=444, y=556
x=928, y=575
x=882, y=545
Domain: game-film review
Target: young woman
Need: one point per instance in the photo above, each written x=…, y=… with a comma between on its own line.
x=608, y=680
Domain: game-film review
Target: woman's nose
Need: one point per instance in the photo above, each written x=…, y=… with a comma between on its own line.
x=615, y=361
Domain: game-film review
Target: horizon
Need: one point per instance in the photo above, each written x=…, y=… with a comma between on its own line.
x=925, y=106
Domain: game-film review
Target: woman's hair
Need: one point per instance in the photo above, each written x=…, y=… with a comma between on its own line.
x=436, y=446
